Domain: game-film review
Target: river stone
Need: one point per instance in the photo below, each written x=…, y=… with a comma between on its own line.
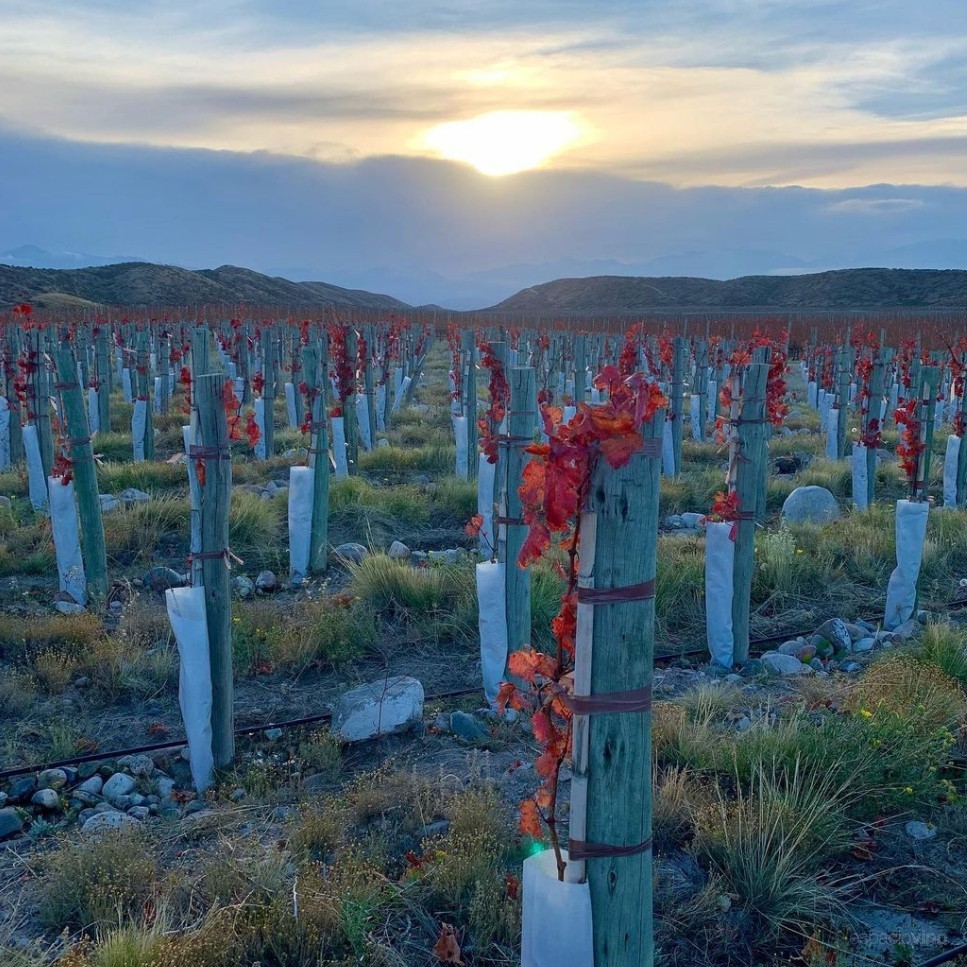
x=836, y=632
x=22, y=789
x=864, y=645
x=119, y=784
x=52, y=779
x=399, y=551
x=162, y=578
x=351, y=553
x=810, y=505
x=102, y=822
x=10, y=822
x=380, y=708
x=108, y=503
x=781, y=664
x=46, y=799
x=244, y=587
x=468, y=728
x=266, y=581
x=692, y=520
x=133, y=496
x=137, y=765
x=907, y=630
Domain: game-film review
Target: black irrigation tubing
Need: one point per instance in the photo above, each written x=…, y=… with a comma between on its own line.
x=754, y=645
x=177, y=743
x=945, y=957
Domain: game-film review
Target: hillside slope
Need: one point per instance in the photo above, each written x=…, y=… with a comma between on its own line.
x=843, y=289
x=146, y=284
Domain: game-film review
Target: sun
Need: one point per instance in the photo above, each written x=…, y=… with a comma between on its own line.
x=505, y=142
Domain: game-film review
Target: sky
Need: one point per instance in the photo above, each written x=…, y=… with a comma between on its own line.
x=712, y=137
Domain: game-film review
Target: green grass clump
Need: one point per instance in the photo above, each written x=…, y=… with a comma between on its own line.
x=946, y=647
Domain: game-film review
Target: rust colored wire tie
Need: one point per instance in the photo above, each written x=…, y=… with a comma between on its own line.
x=514, y=521
x=225, y=553
x=579, y=850
x=209, y=453
x=644, y=591
x=60, y=387
x=82, y=442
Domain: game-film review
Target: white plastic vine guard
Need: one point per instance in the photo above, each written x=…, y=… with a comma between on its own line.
x=901, y=592
x=556, y=922
x=719, y=590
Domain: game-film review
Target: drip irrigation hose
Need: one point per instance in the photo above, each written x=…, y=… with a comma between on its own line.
x=945, y=957
x=754, y=645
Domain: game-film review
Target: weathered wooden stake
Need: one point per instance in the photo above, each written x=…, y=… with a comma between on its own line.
x=749, y=454
x=677, y=399
x=93, y=550
x=216, y=493
x=625, y=503
x=269, y=353
x=318, y=459
x=521, y=423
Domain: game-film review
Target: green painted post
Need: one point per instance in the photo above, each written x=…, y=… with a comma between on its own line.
x=142, y=390
x=93, y=550
x=962, y=454
x=677, y=400
x=11, y=355
x=749, y=454
x=102, y=370
x=350, y=423
x=929, y=378
x=39, y=395
x=701, y=384
x=873, y=404
x=580, y=368
x=216, y=493
x=314, y=375
x=624, y=503
x=469, y=354
x=844, y=374
x=269, y=352
x=521, y=423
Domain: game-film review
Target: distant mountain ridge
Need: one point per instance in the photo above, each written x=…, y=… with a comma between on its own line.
x=147, y=284
x=841, y=289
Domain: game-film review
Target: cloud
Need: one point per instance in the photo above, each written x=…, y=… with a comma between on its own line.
x=431, y=231
x=740, y=92
x=876, y=206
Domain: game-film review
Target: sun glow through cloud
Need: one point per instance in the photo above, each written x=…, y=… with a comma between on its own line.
x=505, y=142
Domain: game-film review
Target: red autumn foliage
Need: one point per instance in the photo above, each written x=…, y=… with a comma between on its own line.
x=910, y=448
x=554, y=488
x=489, y=423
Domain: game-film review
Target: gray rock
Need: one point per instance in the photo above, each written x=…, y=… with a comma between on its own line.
x=816, y=664
x=856, y=631
x=266, y=582
x=810, y=505
x=674, y=521
x=108, y=503
x=850, y=667
x=162, y=578
x=836, y=632
x=920, y=831
x=133, y=496
x=238, y=795
x=196, y=806
x=743, y=724
x=79, y=797
x=22, y=789
x=68, y=607
x=120, y=784
x=165, y=787
x=786, y=665
x=439, y=828
x=139, y=812
x=753, y=667
x=10, y=822
x=140, y=766
x=907, y=630
x=124, y=803
x=273, y=735
x=382, y=443
x=46, y=799
x=692, y=520
x=863, y=645
x=5, y=502
x=244, y=587
x=102, y=822
x=351, y=553
x=399, y=551
x=468, y=728
x=52, y=779
x=380, y=708
x=885, y=456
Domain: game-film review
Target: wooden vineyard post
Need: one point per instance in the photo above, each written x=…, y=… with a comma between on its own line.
x=615, y=747
x=929, y=377
x=143, y=391
x=469, y=376
x=700, y=386
x=763, y=354
x=93, y=550
x=102, y=371
x=580, y=368
x=678, y=397
x=843, y=374
x=269, y=352
x=38, y=395
x=350, y=423
x=748, y=436
x=961, y=456
x=318, y=458
x=521, y=423
x=873, y=418
x=216, y=492
x=199, y=364
x=11, y=357
x=369, y=383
